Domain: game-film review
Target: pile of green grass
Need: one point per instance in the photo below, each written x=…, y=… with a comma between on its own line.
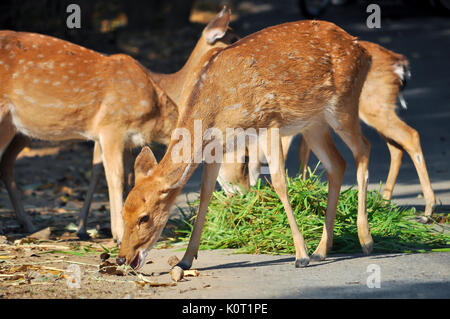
x=255, y=222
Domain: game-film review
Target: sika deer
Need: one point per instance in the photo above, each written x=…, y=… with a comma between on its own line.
x=387, y=76
x=54, y=90
x=296, y=77
x=215, y=35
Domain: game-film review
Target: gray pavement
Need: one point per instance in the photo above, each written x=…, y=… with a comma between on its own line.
x=224, y=274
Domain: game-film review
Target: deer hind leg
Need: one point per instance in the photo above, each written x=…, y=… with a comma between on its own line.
x=209, y=176
x=7, y=175
x=349, y=129
x=303, y=157
x=255, y=160
x=286, y=144
x=324, y=148
x=271, y=146
x=254, y=166
x=408, y=138
x=7, y=129
x=233, y=178
x=97, y=168
x=10, y=146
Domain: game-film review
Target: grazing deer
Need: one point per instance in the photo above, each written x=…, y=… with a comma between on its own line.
x=215, y=35
x=296, y=77
x=389, y=74
x=54, y=90
x=387, y=77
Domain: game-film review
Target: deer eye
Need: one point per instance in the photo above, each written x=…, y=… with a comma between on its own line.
x=143, y=219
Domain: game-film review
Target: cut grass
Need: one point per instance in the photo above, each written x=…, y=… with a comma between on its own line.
x=255, y=222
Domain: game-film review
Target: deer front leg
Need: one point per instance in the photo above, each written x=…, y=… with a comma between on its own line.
x=210, y=173
x=112, y=146
x=97, y=168
x=272, y=148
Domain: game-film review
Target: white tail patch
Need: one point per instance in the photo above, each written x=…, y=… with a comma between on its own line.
x=400, y=71
x=402, y=100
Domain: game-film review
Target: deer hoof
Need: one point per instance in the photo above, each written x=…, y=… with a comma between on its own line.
x=367, y=248
x=317, y=257
x=183, y=265
x=83, y=236
x=301, y=263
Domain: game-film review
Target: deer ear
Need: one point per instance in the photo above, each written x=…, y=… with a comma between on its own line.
x=217, y=27
x=144, y=164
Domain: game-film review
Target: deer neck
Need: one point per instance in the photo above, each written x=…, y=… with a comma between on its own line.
x=173, y=83
x=167, y=119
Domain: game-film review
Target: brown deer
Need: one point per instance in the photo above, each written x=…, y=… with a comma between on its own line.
x=215, y=35
x=387, y=77
x=296, y=77
x=55, y=90
x=389, y=74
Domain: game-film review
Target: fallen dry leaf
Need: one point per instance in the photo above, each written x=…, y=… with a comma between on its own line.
x=104, y=256
x=26, y=240
x=142, y=284
x=7, y=257
x=191, y=273
x=65, y=190
x=109, y=268
x=41, y=234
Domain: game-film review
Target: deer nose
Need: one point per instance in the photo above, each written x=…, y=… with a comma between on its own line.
x=120, y=260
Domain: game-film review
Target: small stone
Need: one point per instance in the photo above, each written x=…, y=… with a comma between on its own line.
x=173, y=261
x=176, y=273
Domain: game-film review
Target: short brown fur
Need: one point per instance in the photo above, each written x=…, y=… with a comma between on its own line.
x=297, y=77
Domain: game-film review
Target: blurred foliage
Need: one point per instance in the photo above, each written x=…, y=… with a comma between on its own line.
x=49, y=16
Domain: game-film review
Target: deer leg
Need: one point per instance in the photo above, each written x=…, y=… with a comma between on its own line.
x=409, y=139
x=112, y=146
x=286, y=144
x=303, y=157
x=7, y=129
x=396, y=153
x=209, y=176
x=97, y=168
x=272, y=148
x=233, y=178
x=7, y=175
x=324, y=148
x=128, y=169
x=349, y=130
